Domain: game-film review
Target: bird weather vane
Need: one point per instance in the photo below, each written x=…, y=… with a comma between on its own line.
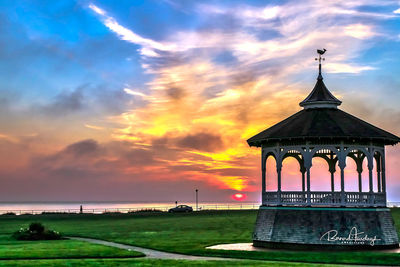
x=320, y=52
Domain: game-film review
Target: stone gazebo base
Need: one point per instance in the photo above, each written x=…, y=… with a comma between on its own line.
x=325, y=228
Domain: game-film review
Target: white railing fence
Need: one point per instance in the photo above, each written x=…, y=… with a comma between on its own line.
x=295, y=198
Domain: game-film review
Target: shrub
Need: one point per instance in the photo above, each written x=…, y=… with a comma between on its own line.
x=53, y=212
x=36, y=231
x=9, y=214
x=145, y=210
x=36, y=228
x=112, y=212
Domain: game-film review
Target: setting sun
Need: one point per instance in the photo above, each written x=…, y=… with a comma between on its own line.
x=239, y=197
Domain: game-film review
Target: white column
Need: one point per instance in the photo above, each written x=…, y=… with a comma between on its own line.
x=378, y=173
x=383, y=172
x=370, y=158
x=307, y=166
x=342, y=194
x=359, y=160
x=342, y=165
x=263, y=171
x=308, y=187
x=278, y=170
x=370, y=169
x=359, y=171
x=332, y=170
x=371, y=186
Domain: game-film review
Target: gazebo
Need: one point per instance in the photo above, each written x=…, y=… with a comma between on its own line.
x=332, y=218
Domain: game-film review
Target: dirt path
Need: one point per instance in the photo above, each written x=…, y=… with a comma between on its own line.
x=150, y=253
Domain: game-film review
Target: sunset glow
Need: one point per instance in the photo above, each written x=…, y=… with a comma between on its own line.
x=147, y=101
x=239, y=197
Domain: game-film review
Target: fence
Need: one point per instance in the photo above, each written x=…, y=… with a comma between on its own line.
x=129, y=210
x=321, y=198
x=142, y=209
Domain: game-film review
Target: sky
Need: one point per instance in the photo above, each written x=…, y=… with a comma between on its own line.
x=150, y=100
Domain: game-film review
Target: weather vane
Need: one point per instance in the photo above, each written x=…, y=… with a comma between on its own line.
x=320, y=52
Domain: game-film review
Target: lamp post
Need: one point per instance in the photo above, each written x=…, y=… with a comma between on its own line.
x=197, y=199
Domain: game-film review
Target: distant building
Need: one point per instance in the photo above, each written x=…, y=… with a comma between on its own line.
x=330, y=219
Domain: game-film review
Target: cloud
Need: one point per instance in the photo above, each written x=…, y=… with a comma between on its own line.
x=359, y=31
x=196, y=106
x=94, y=127
x=82, y=148
x=65, y=103
x=132, y=92
x=149, y=46
x=296, y=34
x=9, y=138
x=346, y=68
x=202, y=141
x=97, y=9
x=179, y=119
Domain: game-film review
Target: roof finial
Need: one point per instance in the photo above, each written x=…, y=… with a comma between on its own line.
x=320, y=52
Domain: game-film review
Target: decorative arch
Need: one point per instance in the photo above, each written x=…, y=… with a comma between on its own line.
x=378, y=156
x=330, y=155
x=358, y=156
x=292, y=150
x=298, y=154
x=335, y=155
x=369, y=152
x=299, y=159
x=266, y=153
x=349, y=149
x=318, y=148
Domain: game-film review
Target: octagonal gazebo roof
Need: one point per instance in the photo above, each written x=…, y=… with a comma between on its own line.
x=321, y=119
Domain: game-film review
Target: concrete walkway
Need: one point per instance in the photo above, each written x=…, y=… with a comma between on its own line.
x=150, y=253
x=156, y=254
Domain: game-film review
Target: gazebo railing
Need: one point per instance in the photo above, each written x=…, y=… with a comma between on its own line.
x=324, y=198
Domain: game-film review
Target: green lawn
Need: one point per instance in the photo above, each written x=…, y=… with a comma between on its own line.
x=12, y=249
x=151, y=262
x=188, y=233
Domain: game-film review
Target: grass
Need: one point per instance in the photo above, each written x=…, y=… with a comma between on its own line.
x=150, y=263
x=188, y=234
x=12, y=249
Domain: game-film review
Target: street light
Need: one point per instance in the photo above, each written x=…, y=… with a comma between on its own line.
x=197, y=199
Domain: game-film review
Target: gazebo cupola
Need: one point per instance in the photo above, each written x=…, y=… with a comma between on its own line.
x=320, y=97
x=322, y=130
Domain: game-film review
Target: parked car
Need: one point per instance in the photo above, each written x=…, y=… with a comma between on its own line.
x=181, y=208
